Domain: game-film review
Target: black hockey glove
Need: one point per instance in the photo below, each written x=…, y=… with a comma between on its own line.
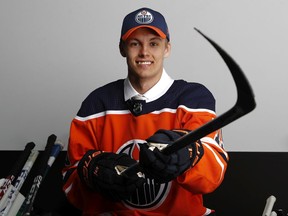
x=164, y=168
x=98, y=170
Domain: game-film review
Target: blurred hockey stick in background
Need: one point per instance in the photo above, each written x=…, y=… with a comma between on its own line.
x=16, y=168
x=27, y=205
x=14, y=194
x=268, y=210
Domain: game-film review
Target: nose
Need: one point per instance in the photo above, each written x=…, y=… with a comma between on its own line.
x=144, y=51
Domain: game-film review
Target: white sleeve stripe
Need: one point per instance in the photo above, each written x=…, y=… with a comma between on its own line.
x=63, y=174
x=211, y=141
x=68, y=189
x=197, y=110
x=208, y=211
x=97, y=115
x=218, y=160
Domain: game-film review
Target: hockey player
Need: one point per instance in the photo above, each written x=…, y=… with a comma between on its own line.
x=128, y=120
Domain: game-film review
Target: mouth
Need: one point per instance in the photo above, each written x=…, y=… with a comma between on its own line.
x=144, y=62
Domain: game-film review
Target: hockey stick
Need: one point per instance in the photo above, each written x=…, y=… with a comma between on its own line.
x=16, y=168
x=245, y=103
x=56, y=149
x=19, y=182
x=26, y=207
x=270, y=201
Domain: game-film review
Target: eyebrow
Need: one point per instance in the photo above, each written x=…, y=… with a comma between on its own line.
x=156, y=38
x=151, y=39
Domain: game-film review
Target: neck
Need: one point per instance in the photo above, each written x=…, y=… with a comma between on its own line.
x=143, y=84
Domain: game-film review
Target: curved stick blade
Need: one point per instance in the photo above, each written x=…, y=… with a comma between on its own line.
x=245, y=103
x=245, y=97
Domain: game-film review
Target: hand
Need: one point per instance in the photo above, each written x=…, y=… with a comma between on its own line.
x=97, y=170
x=164, y=168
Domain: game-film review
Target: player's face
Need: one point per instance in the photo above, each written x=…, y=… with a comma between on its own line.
x=145, y=51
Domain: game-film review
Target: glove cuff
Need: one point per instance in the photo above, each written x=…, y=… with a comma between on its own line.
x=196, y=152
x=84, y=166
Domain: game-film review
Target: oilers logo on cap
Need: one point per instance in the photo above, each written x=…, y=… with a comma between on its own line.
x=144, y=17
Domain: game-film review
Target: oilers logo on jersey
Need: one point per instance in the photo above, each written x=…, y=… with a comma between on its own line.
x=151, y=194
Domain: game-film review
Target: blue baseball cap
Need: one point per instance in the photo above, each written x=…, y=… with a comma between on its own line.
x=144, y=17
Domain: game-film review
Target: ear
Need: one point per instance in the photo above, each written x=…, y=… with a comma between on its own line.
x=122, y=49
x=167, y=49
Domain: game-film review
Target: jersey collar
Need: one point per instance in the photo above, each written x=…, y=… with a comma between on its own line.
x=154, y=93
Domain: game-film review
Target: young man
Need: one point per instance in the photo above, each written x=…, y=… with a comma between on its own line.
x=131, y=119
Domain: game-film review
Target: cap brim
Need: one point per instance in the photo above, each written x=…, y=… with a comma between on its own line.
x=157, y=30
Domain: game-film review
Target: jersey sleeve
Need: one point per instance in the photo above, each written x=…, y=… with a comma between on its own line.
x=82, y=138
x=209, y=172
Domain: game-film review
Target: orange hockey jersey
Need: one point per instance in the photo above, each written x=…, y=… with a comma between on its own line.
x=109, y=122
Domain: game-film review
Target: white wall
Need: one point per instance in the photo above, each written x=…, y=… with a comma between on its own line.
x=54, y=52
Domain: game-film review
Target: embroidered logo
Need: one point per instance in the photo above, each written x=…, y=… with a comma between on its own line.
x=152, y=194
x=144, y=17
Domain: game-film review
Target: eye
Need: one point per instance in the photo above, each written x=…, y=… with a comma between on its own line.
x=153, y=44
x=133, y=44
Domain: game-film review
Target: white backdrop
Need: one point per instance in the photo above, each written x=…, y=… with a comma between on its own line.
x=53, y=53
